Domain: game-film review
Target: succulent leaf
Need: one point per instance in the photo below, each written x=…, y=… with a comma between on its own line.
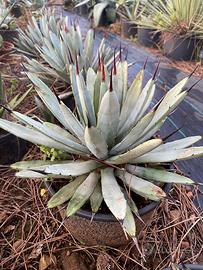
x=35, y=165
x=129, y=223
x=178, y=144
x=142, y=187
x=136, y=152
x=158, y=175
x=96, y=198
x=170, y=155
x=132, y=96
x=66, y=192
x=112, y=194
x=95, y=142
x=74, y=168
x=108, y=117
x=82, y=193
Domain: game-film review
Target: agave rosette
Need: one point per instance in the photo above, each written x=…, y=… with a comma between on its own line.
x=180, y=17
x=57, y=42
x=110, y=139
x=5, y=19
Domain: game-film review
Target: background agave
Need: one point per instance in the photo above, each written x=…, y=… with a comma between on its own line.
x=6, y=20
x=180, y=17
x=110, y=138
x=58, y=42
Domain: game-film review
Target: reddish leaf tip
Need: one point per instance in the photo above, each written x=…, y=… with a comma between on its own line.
x=114, y=63
x=99, y=62
x=111, y=81
x=77, y=65
x=156, y=70
x=103, y=68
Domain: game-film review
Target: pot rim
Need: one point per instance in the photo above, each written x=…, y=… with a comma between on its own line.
x=7, y=134
x=190, y=266
x=181, y=37
x=109, y=217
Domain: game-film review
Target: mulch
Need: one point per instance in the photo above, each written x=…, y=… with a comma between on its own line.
x=34, y=237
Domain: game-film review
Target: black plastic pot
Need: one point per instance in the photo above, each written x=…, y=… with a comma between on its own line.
x=12, y=148
x=128, y=29
x=108, y=16
x=104, y=229
x=68, y=100
x=179, y=48
x=82, y=10
x=189, y=266
x=16, y=11
x=148, y=37
x=9, y=35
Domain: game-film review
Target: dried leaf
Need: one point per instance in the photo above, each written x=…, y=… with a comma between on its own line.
x=175, y=215
x=17, y=244
x=43, y=192
x=3, y=216
x=9, y=228
x=36, y=252
x=46, y=261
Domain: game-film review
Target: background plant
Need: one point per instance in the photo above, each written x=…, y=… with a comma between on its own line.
x=132, y=10
x=15, y=101
x=57, y=43
x=180, y=17
x=6, y=20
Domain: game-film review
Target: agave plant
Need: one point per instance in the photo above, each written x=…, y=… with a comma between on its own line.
x=57, y=42
x=180, y=17
x=132, y=10
x=6, y=21
x=14, y=102
x=111, y=141
x=26, y=3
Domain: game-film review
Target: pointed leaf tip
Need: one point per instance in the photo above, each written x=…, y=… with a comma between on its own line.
x=145, y=63
x=111, y=82
x=156, y=70
x=120, y=54
x=77, y=65
x=99, y=62
x=188, y=90
x=103, y=69
x=193, y=71
x=6, y=108
x=114, y=63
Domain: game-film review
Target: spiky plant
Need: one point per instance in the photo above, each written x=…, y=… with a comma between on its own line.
x=111, y=141
x=180, y=17
x=6, y=21
x=14, y=102
x=58, y=42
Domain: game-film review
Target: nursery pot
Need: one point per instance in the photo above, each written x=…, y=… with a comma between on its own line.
x=68, y=100
x=108, y=16
x=104, y=229
x=148, y=37
x=16, y=11
x=189, y=266
x=9, y=35
x=128, y=29
x=12, y=148
x=179, y=48
x=82, y=10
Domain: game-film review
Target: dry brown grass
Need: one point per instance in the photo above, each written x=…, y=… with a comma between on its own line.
x=29, y=230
